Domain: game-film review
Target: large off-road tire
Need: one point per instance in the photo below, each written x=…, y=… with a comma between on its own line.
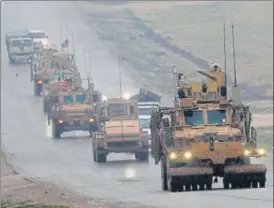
x=56, y=133
x=172, y=184
x=37, y=90
x=164, y=175
x=142, y=156
x=94, y=154
x=45, y=106
x=101, y=157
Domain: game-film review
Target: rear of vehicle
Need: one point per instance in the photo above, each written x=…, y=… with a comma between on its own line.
x=20, y=50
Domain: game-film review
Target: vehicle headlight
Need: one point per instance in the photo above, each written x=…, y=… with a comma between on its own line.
x=39, y=82
x=187, y=155
x=91, y=120
x=126, y=96
x=172, y=156
x=247, y=152
x=261, y=151
x=104, y=98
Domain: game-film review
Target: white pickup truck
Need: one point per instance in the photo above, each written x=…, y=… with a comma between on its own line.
x=20, y=49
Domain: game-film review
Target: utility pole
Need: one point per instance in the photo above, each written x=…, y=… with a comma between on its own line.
x=120, y=73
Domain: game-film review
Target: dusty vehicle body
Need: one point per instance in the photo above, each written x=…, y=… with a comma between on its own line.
x=119, y=130
x=206, y=136
x=71, y=109
x=53, y=67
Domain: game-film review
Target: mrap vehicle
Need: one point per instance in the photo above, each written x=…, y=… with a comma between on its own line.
x=119, y=130
x=208, y=136
x=20, y=49
x=71, y=109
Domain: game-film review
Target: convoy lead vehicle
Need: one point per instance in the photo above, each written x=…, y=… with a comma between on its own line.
x=119, y=130
x=206, y=135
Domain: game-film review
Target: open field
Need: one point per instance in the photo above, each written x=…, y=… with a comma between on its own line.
x=153, y=37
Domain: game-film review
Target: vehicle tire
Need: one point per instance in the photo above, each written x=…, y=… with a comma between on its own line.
x=55, y=130
x=164, y=176
x=101, y=158
x=144, y=156
x=172, y=185
x=45, y=106
x=94, y=154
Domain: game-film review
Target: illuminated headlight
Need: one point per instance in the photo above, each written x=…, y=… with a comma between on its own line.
x=91, y=120
x=60, y=121
x=46, y=93
x=126, y=96
x=39, y=82
x=45, y=42
x=187, y=155
x=261, y=151
x=172, y=156
x=104, y=98
x=247, y=152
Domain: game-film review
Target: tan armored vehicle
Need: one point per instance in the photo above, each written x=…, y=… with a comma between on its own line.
x=71, y=109
x=119, y=130
x=206, y=135
x=56, y=66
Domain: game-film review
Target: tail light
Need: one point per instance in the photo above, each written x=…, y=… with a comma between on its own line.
x=60, y=121
x=143, y=133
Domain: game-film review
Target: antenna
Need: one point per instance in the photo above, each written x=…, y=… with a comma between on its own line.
x=119, y=68
x=225, y=51
x=234, y=59
x=61, y=37
x=236, y=94
x=73, y=47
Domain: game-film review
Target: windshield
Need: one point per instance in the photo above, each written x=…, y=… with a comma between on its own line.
x=216, y=117
x=145, y=111
x=21, y=43
x=118, y=109
x=145, y=123
x=37, y=35
x=194, y=118
x=80, y=98
x=68, y=99
x=57, y=76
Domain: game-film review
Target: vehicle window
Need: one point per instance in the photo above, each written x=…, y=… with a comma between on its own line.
x=68, y=99
x=57, y=76
x=145, y=123
x=145, y=111
x=21, y=43
x=118, y=109
x=194, y=118
x=80, y=98
x=37, y=35
x=216, y=117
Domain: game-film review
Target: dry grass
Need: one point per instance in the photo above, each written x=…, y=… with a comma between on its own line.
x=149, y=32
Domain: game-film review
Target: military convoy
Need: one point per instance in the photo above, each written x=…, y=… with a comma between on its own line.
x=118, y=130
x=206, y=135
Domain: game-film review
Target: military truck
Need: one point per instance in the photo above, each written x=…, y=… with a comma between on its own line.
x=206, y=135
x=119, y=130
x=71, y=109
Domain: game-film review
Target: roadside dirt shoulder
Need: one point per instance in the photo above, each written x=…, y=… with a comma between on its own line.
x=18, y=189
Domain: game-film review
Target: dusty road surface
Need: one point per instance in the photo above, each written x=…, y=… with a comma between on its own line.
x=68, y=162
